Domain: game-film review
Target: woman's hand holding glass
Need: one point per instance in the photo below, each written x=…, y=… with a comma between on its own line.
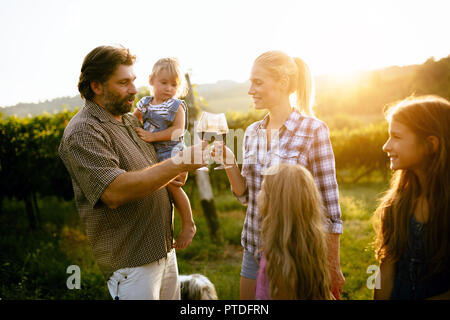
x=220, y=153
x=212, y=127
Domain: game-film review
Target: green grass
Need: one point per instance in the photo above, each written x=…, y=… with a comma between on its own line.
x=33, y=264
x=358, y=202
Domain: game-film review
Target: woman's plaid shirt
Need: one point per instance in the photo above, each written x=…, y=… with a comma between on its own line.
x=303, y=140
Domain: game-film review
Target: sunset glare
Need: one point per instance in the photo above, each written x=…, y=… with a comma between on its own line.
x=44, y=42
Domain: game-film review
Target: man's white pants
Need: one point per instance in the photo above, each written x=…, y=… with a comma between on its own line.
x=155, y=281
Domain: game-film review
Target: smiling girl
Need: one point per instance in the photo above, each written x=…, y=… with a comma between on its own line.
x=413, y=240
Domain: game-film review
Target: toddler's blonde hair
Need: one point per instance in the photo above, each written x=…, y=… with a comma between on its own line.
x=172, y=66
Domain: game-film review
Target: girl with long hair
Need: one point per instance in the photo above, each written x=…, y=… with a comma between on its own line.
x=294, y=263
x=289, y=133
x=413, y=218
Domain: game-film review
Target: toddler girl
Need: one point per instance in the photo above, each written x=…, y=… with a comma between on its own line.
x=165, y=120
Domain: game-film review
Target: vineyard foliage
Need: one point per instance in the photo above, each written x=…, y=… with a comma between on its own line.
x=359, y=151
x=29, y=160
x=30, y=164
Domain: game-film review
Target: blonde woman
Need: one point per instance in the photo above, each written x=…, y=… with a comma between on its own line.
x=289, y=133
x=294, y=262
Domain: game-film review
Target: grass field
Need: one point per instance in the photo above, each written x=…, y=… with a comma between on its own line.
x=33, y=264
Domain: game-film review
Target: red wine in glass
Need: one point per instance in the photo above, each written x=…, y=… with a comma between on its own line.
x=212, y=127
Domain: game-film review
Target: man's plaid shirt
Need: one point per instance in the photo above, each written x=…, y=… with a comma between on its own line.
x=303, y=140
x=96, y=149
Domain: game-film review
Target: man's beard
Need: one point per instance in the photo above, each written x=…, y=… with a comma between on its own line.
x=114, y=104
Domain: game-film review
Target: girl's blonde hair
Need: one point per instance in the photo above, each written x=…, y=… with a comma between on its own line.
x=172, y=66
x=300, y=80
x=424, y=116
x=293, y=233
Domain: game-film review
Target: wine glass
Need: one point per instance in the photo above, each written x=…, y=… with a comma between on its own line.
x=212, y=127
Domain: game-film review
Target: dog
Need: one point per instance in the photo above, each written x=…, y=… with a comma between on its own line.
x=197, y=287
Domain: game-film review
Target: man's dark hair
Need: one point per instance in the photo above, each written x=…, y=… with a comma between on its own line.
x=99, y=65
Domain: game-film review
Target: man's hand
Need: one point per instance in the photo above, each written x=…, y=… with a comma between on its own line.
x=193, y=157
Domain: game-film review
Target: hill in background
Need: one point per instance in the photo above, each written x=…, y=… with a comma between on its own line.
x=361, y=93
x=49, y=106
x=224, y=95
x=218, y=97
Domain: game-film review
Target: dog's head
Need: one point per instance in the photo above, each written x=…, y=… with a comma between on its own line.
x=197, y=287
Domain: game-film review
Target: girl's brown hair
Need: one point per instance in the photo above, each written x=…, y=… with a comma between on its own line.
x=424, y=116
x=294, y=242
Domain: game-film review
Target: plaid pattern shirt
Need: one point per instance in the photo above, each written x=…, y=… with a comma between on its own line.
x=301, y=140
x=96, y=149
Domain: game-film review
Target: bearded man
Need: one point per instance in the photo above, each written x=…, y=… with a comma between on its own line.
x=118, y=184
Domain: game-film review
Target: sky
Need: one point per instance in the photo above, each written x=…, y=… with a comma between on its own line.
x=43, y=43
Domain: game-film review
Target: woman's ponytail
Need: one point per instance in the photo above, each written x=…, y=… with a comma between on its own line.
x=305, y=88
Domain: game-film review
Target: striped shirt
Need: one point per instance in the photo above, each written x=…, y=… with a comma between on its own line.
x=96, y=149
x=300, y=140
